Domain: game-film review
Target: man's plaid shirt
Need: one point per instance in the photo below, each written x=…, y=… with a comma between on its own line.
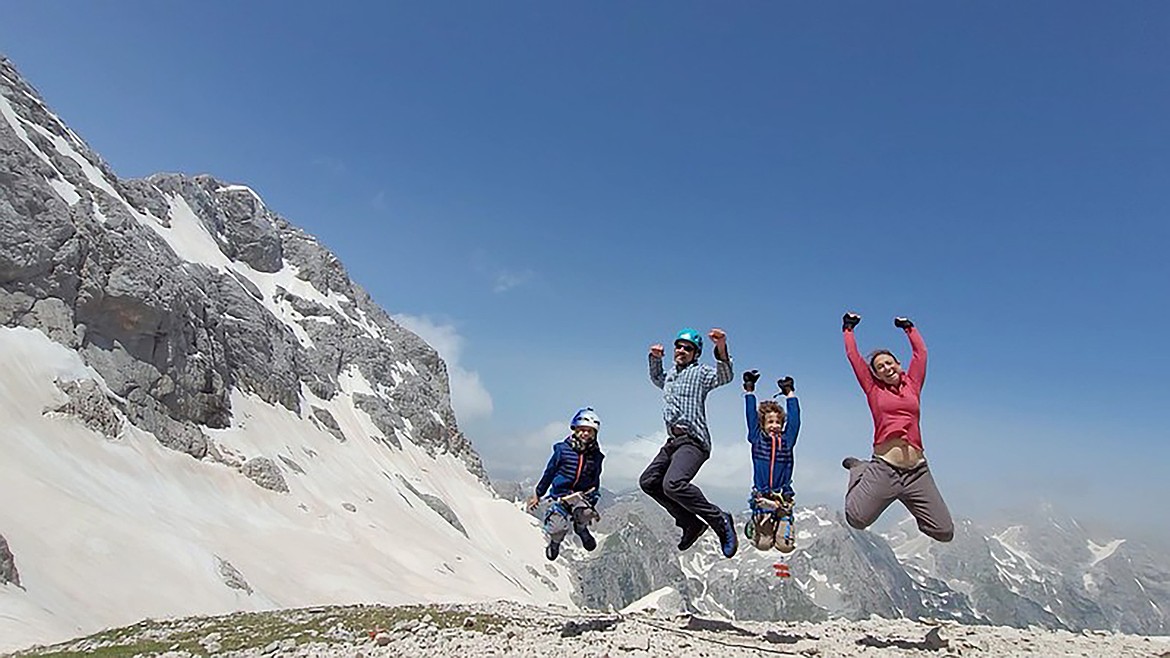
x=684, y=395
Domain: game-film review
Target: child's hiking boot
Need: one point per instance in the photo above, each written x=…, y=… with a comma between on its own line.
x=850, y=462
x=728, y=538
x=587, y=540
x=787, y=504
x=766, y=502
x=691, y=534
x=552, y=550
x=763, y=534
x=785, y=536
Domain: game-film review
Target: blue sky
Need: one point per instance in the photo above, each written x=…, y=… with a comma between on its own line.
x=545, y=189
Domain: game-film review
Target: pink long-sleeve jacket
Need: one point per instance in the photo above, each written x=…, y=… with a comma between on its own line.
x=895, y=409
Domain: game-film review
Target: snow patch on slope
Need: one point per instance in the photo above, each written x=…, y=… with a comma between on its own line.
x=242, y=188
x=348, y=530
x=651, y=601
x=190, y=239
x=60, y=185
x=1102, y=552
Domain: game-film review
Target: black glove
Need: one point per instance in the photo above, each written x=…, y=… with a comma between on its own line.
x=750, y=378
x=787, y=385
x=903, y=323
x=849, y=321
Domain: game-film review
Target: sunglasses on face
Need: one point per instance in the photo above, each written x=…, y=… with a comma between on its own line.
x=686, y=347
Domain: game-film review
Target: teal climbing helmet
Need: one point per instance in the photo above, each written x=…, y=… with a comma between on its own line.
x=693, y=337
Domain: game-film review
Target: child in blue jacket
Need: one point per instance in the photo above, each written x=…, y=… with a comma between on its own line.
x=772, y=433
x=572, y=479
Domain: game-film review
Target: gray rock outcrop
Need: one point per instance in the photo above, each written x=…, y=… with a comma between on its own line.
x=231, y=576
x=438, y=505
x=264, y=472
x=8, y=572
x=87, y=258
x=89, y=404
x=326, y=420
x=619, y=573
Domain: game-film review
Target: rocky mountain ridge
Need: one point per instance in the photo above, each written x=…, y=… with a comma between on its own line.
x=200, y=389
x=1047, y=574
x=123, y=271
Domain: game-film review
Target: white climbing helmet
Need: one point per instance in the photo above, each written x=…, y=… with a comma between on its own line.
x=586, y=417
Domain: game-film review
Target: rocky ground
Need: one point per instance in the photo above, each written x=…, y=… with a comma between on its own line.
x=507, y=629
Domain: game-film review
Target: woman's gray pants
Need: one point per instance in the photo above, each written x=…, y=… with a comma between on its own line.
x=874, y=484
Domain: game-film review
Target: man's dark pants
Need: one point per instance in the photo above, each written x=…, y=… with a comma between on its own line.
x=668, y=481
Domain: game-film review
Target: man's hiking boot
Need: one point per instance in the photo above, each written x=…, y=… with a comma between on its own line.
x=850, y=462
x=587, y=539
x=728, y=538
x=552, y=550
x=691, y=535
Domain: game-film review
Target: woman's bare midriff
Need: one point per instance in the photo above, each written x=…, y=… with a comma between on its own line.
x=898, y=452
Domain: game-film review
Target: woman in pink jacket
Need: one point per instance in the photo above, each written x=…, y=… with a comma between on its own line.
x=898, y=469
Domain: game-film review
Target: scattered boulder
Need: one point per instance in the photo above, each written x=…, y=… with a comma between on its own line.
x=88, y=403
x=718, y=625
x=932, y=642
x=776, y=637
x=438, y=505
x=573, y=628
x=232, y=576
x=292, y=464
x=327, y=420
x=264, y=472
x=8, y=572
x=211, y=642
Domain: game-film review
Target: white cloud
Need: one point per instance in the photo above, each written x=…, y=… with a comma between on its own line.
x=505, y=280
x=502, y=278
x=544, y=437
x=469, y=397
x=625, y=461
x=331, y=165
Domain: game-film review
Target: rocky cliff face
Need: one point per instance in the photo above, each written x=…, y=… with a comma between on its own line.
x=8, y=572
x=199, y=387
x=180, y=289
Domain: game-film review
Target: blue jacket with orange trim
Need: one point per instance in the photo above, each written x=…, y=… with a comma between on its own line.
x=568, y=471
x=772, y=460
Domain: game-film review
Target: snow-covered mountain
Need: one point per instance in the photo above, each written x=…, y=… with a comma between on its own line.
x=202, y=413
x=1045, y=572
x=836, y=572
